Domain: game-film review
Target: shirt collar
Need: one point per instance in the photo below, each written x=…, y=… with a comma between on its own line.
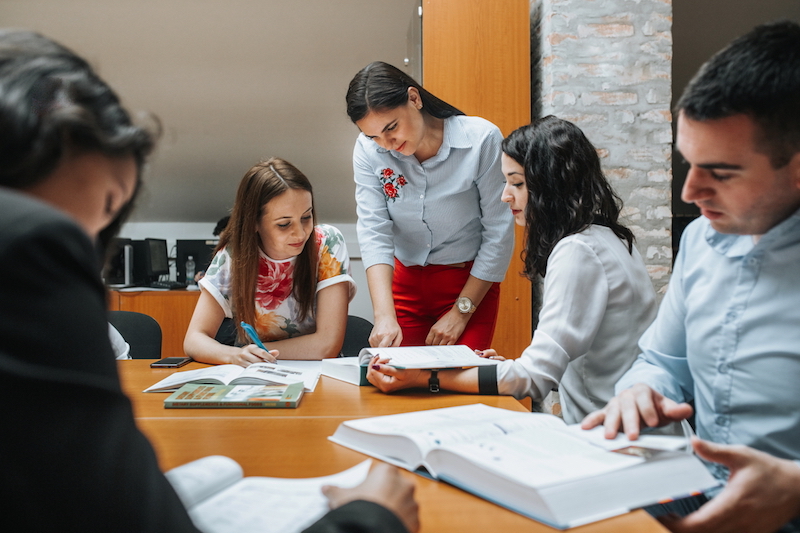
x=453, y=136
x=740, y=245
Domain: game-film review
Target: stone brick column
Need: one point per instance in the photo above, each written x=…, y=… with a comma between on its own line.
x=606, y=65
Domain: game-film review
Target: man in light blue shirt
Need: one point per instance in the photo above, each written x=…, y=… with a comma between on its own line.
x=727, y=335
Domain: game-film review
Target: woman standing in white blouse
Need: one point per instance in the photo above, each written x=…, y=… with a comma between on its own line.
x=434, y=237
x=598, y=298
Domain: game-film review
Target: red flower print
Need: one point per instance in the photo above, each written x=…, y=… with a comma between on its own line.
x=274, y=283
x=390, y=190
x=392, y=183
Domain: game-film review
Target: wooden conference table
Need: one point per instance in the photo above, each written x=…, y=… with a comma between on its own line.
x=293, y=443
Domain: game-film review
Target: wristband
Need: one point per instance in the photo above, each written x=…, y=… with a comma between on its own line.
x=433, y=382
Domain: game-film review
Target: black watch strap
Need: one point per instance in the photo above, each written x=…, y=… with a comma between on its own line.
x=433, y=382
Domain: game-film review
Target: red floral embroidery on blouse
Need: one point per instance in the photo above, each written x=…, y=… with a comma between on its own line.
x=391, y=183
x=390, y=190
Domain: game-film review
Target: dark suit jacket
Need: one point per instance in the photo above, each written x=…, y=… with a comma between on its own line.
x=71, y=456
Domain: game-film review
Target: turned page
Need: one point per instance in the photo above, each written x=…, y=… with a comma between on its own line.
x=197, y=480
x=271, y=505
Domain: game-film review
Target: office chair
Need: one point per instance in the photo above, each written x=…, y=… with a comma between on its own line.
x=140, y=331
x=356, y=336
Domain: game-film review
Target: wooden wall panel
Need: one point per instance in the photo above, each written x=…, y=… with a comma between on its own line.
x=476, y=56
x=172, y=310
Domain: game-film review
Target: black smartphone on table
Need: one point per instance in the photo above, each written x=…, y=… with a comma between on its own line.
x=171, y=362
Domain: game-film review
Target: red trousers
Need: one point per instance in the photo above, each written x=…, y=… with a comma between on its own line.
x=422, y=295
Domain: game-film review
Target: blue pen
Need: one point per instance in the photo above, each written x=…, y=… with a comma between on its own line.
x=251, y=332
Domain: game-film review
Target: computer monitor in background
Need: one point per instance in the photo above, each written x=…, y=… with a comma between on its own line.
x=118, y=270
x=150, y=261
x=157, y=258
x=202, y=251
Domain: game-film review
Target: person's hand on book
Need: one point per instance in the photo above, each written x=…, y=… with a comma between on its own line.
x=387, y=378
x=634, y=407
x=385, y=333
x=386, y=486
x=448, y=329
x=251, y=353
x=489, y=353
x=762, y=494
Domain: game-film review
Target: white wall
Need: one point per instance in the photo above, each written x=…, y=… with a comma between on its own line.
x=171, y=231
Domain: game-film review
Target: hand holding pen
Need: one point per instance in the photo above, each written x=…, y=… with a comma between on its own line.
x=269, y=356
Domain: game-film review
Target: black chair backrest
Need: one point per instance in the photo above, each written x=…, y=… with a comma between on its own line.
x=140, y=331
x=356, y=336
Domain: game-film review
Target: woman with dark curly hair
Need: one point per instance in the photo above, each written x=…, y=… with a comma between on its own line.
x=598, y=298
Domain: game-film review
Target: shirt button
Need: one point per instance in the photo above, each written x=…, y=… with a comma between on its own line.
x=721, y=421
x=723, y=368
x=422, y=196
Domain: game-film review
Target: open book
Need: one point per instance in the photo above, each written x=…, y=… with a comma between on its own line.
x=532, y=463
x=283, y=373
x=220, y=499
x=457, y=356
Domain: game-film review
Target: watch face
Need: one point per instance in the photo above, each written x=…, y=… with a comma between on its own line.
x=464, y=305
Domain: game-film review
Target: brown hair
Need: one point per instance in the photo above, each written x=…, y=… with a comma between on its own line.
x=265, y=181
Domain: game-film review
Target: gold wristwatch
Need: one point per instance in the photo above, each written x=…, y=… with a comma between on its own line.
x=465, y=305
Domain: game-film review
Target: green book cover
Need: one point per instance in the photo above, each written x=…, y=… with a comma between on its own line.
x=192, y=396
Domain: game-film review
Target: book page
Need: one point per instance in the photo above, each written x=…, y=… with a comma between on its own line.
x=282, y=373
x=596, y=436
x=271, y=505
x=535, y=457
x=439, y=427
x=197, y=480
x=220, y=374
x=428, y=356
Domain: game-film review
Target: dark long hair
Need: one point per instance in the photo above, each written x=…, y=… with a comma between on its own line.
x=260, y=184
x=567, y=191
x=380, y=86
x=51, y=101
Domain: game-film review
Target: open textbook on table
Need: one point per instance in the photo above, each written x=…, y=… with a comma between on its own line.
x=354, y=369
x=282, y=373
x=455, y=356
x=220, y=499
x=532, y=463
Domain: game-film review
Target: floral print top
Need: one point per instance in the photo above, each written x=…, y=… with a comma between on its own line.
x=276, y=308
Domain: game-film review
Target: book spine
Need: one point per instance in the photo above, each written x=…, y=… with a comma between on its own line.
x=226, y=405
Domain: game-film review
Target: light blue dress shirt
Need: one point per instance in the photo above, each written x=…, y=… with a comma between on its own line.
x=728, y=336
x=444, y=210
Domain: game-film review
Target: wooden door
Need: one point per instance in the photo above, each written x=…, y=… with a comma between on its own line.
x=476, y=56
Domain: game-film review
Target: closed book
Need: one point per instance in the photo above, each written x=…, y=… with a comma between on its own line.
x=194, y=396
x=345, y=369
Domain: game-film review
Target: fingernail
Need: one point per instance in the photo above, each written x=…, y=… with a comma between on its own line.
x=376, y=367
